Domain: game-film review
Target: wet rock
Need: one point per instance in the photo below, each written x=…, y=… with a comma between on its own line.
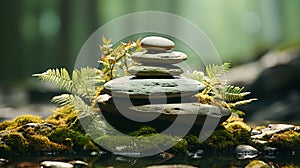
x=3, y=161
x=151, y=71
x=131, y=87
x=173, y=57
x=271, y=152
x=157, y=43
x=197, y=155
x=171, y=166
x=246, y=152
x=278, y=99
x=257, y=164
x=55, y=164
x=273, y=129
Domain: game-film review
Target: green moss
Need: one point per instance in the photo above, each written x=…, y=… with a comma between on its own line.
x=38, y=143
x=289, y=140
x=69, y=137
x=25, y=119
x=16, y=142
x=180, y=148
x=144, y=131
x=257, y=164
x=193, y=143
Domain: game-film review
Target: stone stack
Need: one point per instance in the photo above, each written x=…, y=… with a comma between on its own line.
x=156, y=94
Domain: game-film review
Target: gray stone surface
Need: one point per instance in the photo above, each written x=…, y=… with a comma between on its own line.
x=157, y=43
x=169, y=112
x=146, y=71
x=56, y=164
x=132, y=87
x=146, y=57
x=273, y=129
x=246, y=152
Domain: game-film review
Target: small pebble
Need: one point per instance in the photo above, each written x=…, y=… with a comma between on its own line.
x=157, y=43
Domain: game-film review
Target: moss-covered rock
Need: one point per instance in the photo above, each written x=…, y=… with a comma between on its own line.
x=289, y=140
x=16, y=142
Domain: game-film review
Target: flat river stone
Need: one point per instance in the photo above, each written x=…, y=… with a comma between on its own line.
x=136, y=88
x=145, y=57
x=169, y=112
x=156, y=42
x=152, y=71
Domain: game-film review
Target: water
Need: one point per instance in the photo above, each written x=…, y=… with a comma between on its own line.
x=207, y=159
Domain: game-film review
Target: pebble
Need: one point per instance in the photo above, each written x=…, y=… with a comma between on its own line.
x=173, y=57
x=157, y=43
x=155, y=71
x=55, y=164
x=246, y=152
x=3, y=161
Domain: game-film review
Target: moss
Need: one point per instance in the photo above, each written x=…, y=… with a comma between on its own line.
x=289, y=140
x=39, y=143
x=180, y=148
x=193, y=143
x=69, y=137
x=16, y=142
x=25, y=119
x=257, y=164
x=144, y=131
x=5, y=125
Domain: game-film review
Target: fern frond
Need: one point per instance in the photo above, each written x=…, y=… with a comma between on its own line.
x=59, y=77
x=197, y=75
x=87, y=81
x=214, y=71
x=234, y=93
x=242, y=102
x=74, y=102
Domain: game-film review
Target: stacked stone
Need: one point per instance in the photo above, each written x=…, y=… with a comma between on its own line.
x=156, y=89
x=158, y=59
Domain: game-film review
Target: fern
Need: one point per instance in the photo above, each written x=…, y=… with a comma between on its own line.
x=216, y=92
x=234, y=93
x=59, y=77
x=74, y=102
x=242, y=102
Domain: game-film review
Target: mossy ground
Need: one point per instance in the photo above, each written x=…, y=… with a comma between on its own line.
x=63, y=133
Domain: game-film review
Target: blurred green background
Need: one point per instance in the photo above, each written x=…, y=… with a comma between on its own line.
x=37, y=35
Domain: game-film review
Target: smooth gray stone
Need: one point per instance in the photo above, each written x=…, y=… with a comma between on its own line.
x=152, y=71
x=131, y=87
x=246, y=152
x=157, y=43
x=169, y=112
x=146, y=57
x=56, y=164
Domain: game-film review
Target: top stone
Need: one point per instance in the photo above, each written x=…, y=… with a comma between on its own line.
x=157, y=43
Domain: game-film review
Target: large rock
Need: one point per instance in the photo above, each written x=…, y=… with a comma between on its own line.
x=157, y=43
x=147, y=57
x=131, y=87
x=155, y=71
x=161, y=116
